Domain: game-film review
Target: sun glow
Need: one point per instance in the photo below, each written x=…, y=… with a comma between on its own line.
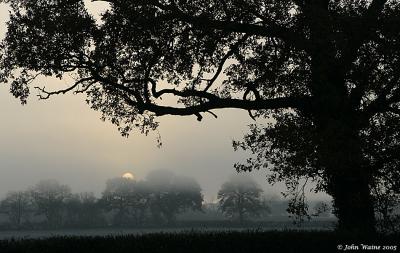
x=128, y=175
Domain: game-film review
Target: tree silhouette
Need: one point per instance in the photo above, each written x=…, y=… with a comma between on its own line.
x=17, y=206
x=49, y=198
x=163, y=195
x=240, y=198
x=83, y=210
x=288, y=149
x=329, y=65
x=171, y=195
x=129, y=198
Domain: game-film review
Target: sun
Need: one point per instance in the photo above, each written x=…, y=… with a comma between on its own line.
x=128, y=175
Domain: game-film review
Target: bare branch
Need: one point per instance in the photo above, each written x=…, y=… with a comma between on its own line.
x=199, y=117
x=48, y=94
x=213, y=114
x=86, y=88
x=252, y=115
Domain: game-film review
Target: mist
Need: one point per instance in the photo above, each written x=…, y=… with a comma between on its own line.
x=163, y=199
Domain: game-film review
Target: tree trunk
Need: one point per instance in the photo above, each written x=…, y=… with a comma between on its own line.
x=348, y=180
x=240, y=209
x=241, y=219
x=337, y=122
x=353, y=203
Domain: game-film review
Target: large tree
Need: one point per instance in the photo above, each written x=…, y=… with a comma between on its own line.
x=128, y=198
x=49, y=198
x=241, y=198
x=170, y=195
x=83, y=210
x=329, y=65
x=17, y=206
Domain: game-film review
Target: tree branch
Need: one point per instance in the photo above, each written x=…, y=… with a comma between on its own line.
x=48, y=94
x=272, y=30
x=222, y=103
x=182, y=93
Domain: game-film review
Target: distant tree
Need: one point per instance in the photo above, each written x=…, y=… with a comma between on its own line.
x=322, y=209
x=83, y=210
x=171, y=195
x=241, y=198
x=139, y=202
x=266, y=209
x=128, y=198
x=18, y=207
x=71, y=210
x=116, y=198
x=159, y=183
x=49, y=198
x=210, y=211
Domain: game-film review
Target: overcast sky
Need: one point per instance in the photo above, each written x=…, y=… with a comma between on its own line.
x=63, y=139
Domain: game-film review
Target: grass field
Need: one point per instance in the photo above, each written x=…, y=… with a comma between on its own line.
x=207, y=242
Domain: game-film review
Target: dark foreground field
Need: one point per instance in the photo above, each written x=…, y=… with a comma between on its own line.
x=249, y=241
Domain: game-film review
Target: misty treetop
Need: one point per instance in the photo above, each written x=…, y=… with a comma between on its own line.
x=48, y=197
x=241, y=198
x=125, y=201
x=162, y=199
x=326, y=72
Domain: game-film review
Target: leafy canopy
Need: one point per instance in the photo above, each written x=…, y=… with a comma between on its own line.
x=241, y=197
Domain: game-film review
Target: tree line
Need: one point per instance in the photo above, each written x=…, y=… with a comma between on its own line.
x=156, y=201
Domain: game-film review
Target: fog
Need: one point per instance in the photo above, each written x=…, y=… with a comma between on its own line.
x=63, y=139
x=162, y=200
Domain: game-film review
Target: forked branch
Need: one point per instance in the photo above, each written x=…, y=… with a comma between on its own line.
x=44, y=94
